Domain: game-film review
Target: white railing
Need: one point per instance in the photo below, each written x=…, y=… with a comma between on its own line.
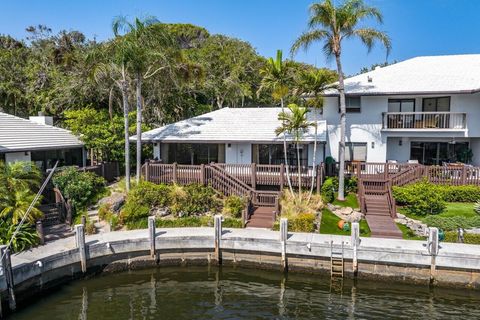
x=424, y=120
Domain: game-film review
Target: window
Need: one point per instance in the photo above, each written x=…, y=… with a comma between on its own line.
x=273, y=154
x=401, y=105
x=441, y=104
x=193, y=153
x=352, y=104
x=356, y=151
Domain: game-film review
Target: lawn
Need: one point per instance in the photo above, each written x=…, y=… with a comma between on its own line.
x=329, y=222
x=408, y=234
x=350, y=201
x=453, y=209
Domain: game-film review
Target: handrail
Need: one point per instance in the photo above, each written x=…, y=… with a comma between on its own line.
x=424, y=120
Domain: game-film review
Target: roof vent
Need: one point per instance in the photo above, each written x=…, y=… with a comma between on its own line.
x=42, y=120
x=369, y=79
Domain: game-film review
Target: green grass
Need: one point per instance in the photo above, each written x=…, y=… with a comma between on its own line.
x=329, y=222
x=408, y=234
x=350, y=201
x=453, y=209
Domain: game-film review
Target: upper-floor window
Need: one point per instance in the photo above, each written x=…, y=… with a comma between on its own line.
x=439, y=104
x=401, y=105
x=352, y=104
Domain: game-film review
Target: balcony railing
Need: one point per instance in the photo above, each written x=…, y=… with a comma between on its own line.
x=424, y=120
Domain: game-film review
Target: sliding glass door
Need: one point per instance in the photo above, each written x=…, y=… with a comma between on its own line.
x=436, y=153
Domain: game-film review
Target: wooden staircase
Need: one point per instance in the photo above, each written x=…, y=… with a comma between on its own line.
x=262, y=217
x=379, y=217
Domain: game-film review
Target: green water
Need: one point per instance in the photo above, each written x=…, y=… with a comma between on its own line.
x=227, y=293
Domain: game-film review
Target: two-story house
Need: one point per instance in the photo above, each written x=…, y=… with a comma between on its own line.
x=425, y=109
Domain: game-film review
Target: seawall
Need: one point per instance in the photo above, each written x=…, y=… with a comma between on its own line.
x=44, y=267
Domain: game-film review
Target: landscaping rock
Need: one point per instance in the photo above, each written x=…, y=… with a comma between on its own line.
x=115, y=201
x=346, y=211
x=161, y=212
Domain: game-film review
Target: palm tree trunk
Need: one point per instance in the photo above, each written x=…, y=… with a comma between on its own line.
x=287, y=170
x=299, y=173
x=341, y=155
x=314, y=157
x=139, y=126
x=127, y=142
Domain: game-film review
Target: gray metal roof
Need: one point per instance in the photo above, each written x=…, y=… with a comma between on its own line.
x=230, y=125
x=18, y=134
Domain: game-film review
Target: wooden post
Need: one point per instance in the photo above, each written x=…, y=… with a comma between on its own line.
x=283, y=242
x=464, y=175
x=355, y=241
x=282, y=176
x=174, y=172
x=39, y=228
x=254, y=175
x=82, y=250
x=8, y=274
x=217, y=223
x=151, y=235
x=202, y=175
x=385, y=171
x=432, y=246
x=147, y=170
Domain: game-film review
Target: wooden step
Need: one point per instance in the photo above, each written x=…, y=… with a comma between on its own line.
x=262, y=217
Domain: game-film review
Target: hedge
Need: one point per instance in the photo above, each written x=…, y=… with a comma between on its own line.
x=470, y=238
x=452, y=223
x=205, y=221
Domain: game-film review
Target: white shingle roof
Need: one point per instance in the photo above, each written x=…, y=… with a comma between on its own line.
x=229, y=124
x=18, y=134
x=420, y=75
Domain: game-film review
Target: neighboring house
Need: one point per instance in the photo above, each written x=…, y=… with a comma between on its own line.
x=39, y=141
x=425, y=109
x=232, y=135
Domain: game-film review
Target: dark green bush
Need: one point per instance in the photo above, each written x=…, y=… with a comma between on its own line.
x=81, y=188
x=328, y=190
x=452, y=223
x=233, y=206
x=467, y=193
x=198, y=199
x=420, y=198
x=470, y=238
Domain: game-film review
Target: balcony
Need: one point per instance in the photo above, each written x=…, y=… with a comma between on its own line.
x=424, y=120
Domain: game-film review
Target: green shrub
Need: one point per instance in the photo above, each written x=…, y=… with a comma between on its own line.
x=470, y=238
x=233, y=206
x=195, y=200
x=104, y=210
x=328, y=190
x=452, y=223
x=133, y=212
x=466, y=193
x=476, y=207
x=142, y=198
x=193, y=221
x=25, y=238
x=81, y=188
x=304, y=222
x=420, y=198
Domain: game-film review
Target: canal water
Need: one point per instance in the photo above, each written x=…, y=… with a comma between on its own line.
x=232, y=293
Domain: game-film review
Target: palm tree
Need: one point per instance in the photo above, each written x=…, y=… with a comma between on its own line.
x=152, y=49
x=311, y=84
x=295, y=123
x=331, y=25
x=276, y=78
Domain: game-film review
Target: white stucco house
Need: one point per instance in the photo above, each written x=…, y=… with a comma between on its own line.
x=425, y=109
x=36, y=139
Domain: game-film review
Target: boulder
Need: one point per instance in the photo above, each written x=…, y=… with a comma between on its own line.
x=161, y=212
x=115, y=201
x=346, y=211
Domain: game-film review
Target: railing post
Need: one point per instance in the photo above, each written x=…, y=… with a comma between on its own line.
x=355, y=241
x=464, y=175
x=253, y=168
x=283, y=242
x=202, y=175
x=282, y=175
x=39, y=228
x=147, y=170
x=217, y=224
x=174, y=172
x=80, y=239
x=8, y=274
x=385, y=170
x=151, y=235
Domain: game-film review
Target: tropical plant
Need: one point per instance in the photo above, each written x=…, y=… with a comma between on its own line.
x=295, y=123
x=476, y=207
x=331, y=24
x=311, y=84
x=25, y=237
x=276, y=78
x=151, y=49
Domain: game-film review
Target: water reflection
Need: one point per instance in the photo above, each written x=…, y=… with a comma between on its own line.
x=227, y=293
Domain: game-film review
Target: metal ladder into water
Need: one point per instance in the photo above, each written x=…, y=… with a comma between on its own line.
x=336, y=261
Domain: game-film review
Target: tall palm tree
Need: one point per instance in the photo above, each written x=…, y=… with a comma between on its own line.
x=331, y=25
x=152, y=49
x=276, y=78
x=311, y=84
x=295, y=123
